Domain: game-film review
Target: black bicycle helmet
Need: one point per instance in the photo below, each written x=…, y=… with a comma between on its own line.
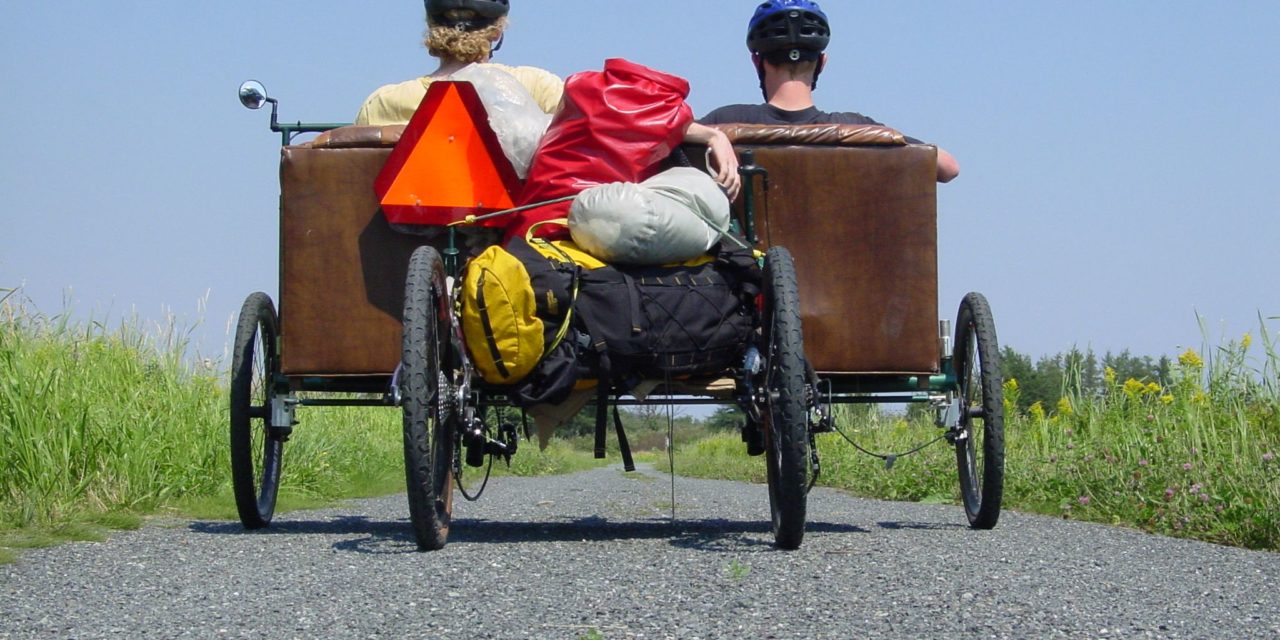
x=485, y=12
x=788, y=31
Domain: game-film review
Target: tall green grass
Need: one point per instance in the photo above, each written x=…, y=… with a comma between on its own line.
x=105, y=420
x=99, y=422
x=1195, y=456
x=100, y=419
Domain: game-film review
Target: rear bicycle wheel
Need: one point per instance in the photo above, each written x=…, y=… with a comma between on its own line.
x=979, y=440
x=430, y=417
x=256, y=449
x=785, y=420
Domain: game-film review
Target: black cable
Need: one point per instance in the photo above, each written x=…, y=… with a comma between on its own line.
x=889, y=458
x=463, y=491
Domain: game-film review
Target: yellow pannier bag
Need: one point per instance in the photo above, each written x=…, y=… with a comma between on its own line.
x=516, y=304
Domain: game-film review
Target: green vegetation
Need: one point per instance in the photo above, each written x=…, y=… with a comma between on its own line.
x=737, y=570
x=1194, y=456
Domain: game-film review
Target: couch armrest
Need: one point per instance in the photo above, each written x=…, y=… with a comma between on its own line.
x=358, y=136
x=845, y=135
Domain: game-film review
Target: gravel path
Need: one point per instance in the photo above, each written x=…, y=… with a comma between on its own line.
x=595, y=555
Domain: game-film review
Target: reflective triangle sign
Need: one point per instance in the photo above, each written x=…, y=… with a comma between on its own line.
x=448, y=163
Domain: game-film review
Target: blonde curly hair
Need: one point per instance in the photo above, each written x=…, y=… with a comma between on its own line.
x=456, y=43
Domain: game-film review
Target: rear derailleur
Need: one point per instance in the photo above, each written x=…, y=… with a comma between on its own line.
x=479, y=444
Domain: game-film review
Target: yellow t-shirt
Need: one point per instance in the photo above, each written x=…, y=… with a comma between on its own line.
x=395, y=103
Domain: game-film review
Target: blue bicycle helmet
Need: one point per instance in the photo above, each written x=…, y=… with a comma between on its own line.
x=788, y=31
x=783, y=31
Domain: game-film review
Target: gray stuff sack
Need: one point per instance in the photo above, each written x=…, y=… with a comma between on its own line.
x=674, y=216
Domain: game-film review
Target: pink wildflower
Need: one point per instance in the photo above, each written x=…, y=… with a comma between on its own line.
x=1187, y=466
x=1268, y=456
x=1084, y=501
x=1143, y=462
x=1169, y=493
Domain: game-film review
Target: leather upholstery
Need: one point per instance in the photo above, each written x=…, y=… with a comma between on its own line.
x=358, y=136
x=861, y=223
x=342, y=268
x=826, y=134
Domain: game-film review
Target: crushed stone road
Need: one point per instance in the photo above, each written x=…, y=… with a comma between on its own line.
x=596, y=555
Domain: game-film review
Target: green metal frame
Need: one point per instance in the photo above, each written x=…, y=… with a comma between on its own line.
x=288, y=131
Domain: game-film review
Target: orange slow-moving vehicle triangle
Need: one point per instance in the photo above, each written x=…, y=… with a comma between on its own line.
x=448, y=163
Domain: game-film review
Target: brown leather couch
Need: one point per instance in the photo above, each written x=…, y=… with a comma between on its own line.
x=856, y=206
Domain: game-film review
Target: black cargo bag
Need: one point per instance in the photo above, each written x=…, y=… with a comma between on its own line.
x=632, y=323
x=670, y=321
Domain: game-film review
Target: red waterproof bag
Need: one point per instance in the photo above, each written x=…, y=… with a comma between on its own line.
x=615, y=125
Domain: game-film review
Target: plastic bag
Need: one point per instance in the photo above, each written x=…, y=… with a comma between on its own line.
x=514, y=115
x=615, y=125
x=674, y=216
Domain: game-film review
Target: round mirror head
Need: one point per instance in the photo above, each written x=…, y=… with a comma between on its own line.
x=252, y=94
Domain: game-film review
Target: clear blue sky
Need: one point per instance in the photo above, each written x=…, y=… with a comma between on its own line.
x=1117, y=158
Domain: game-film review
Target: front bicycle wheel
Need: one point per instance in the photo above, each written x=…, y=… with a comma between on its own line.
x=979, y=440
x=256, y=448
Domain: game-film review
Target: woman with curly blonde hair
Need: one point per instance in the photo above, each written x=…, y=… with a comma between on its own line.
x=459, y=33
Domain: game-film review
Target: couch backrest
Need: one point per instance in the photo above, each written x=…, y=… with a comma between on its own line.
x=857, y=208
x=342, y=268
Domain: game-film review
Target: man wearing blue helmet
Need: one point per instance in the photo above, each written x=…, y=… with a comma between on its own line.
x=787, y=39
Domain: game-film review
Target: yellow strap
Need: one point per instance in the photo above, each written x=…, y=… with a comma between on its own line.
x=528, y=235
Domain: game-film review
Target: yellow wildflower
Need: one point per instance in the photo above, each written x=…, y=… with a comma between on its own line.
x=1036, y=410
x=1166, y=399
x=1064, y=406
x=1153, y=388
x=1011, y=385
x=1133, y=388
x=1246, y=341
x=1109, y=376
x=1190, y=359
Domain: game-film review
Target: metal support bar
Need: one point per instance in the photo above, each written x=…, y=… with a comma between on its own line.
x=852, y=398
x=288, y=131
x=384, y=401
x=451, y=254
x=748, y=169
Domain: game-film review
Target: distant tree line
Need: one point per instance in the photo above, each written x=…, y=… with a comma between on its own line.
x=1048, y=378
